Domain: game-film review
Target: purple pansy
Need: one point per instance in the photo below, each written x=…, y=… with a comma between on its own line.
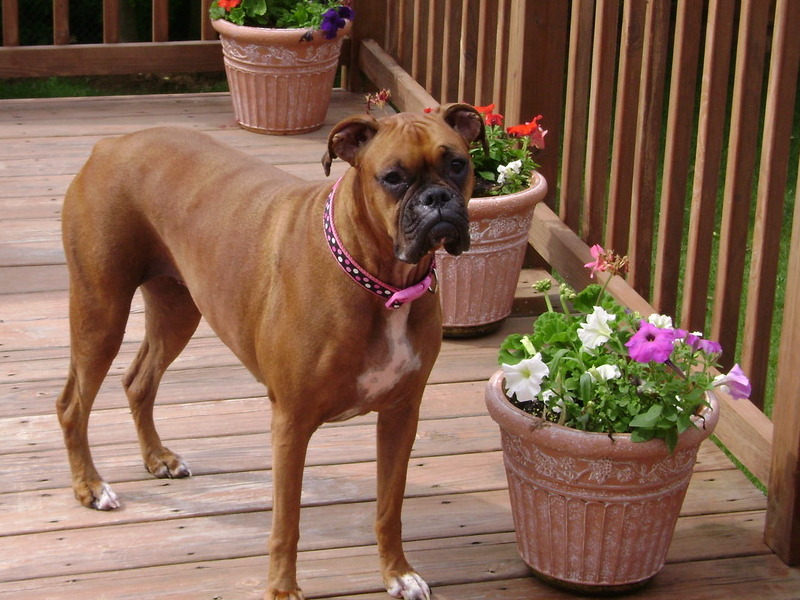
x=651, y=343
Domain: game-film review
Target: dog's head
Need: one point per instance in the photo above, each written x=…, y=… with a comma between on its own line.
x=415, y=174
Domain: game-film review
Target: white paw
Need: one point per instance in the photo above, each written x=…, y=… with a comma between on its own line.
x=409, y=587
x=107, y=500
x=177, y=469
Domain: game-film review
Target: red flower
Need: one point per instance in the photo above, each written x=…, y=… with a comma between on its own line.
x=531, y=129
x=520, y=130
x=537, y=135
x=229, y=4
x=485, y=110
x=494, y=119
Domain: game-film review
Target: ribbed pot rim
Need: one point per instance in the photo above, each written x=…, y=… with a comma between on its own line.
x=486, y=207
x=261, y=35
x=545, y=434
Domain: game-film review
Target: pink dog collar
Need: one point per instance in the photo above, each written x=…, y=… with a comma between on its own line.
x=395, y=297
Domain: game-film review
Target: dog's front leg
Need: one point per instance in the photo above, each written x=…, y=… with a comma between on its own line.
x=397, y=429
x=290, y=439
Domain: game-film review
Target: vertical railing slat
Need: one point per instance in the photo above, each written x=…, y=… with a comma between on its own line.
x=395, y=29
x=468, y=51
x=600, y=114
x=625, y=120
x=772, y=171
x=160, y=20
x=501, y=53
x=10, y=22
x=451, y=51
x=110, y=21
x=648, y=144
x=416, y=35
x=432, y=73
x=576, y=113
x=710, y=141
x=60, y=22
x=751, y=46
x=207, y=32
x=482, y=26
x=680, y=123
x=538, y=36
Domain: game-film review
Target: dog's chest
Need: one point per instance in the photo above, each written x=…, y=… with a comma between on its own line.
x=387, y=367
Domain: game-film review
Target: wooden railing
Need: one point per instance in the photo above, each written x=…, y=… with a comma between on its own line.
x=113, y=55
x=669, y=140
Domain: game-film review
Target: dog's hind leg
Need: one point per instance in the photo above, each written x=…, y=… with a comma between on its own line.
x=97, y=325
x=171, y=317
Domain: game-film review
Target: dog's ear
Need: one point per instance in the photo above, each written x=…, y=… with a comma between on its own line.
x=347, y=138
x=467, y=121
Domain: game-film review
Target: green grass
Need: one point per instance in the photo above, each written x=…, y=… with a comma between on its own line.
x=112, y=85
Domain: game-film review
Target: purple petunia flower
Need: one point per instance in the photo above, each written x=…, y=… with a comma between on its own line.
x=651, y=343
x=735, y=383
x=710, y=347
x=346, y=12
x=332, y=22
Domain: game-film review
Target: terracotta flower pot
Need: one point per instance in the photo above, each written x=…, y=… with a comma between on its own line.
x=592, y=513
x=280, y=83
x=477, y=288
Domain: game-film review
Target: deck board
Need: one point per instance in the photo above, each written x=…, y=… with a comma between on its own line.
x=205, y=537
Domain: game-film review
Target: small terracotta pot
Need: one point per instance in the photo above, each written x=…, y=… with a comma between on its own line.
x=593, y=513
x=477, y=288
x=280, y=83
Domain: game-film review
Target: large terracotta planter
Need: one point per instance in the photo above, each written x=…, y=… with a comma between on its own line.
x=477, y=288
x=280, y=83
x=592, y=513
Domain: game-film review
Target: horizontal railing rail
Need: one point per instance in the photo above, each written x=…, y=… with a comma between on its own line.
x=116, y=49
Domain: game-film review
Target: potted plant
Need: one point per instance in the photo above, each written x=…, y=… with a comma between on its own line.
x=478, y=287
x=280, y=59
x=601, y=414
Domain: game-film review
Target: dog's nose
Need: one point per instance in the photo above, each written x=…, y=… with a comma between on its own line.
x=436, y=197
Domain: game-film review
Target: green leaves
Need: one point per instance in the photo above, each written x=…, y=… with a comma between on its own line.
x=290, y=14
x=649, y=419
x=503, y=150
x=598, y=387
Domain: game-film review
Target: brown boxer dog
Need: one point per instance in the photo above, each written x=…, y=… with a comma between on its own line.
x=323, y=294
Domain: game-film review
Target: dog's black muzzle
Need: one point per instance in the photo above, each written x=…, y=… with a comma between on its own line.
x=436, y=217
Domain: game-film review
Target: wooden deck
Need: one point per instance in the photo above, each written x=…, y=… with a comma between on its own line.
x=205, y=537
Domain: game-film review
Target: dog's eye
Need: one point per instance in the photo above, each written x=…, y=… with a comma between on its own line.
x=458, y=166
x=393, y=179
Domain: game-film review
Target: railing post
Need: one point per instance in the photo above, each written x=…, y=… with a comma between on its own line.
x=782, y=532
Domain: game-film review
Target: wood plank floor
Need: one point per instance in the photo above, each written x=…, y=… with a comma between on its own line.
x=205, y=537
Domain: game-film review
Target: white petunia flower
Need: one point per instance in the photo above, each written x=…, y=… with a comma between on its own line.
x=660, y=321
x=605, y=372
x=525, y=378
x=595, y=331
x=513, y=167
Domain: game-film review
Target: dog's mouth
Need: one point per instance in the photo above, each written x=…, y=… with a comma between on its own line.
x=446, y=235
x=450, y=231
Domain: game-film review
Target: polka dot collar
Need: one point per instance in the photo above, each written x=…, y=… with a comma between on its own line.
x=394, y=297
